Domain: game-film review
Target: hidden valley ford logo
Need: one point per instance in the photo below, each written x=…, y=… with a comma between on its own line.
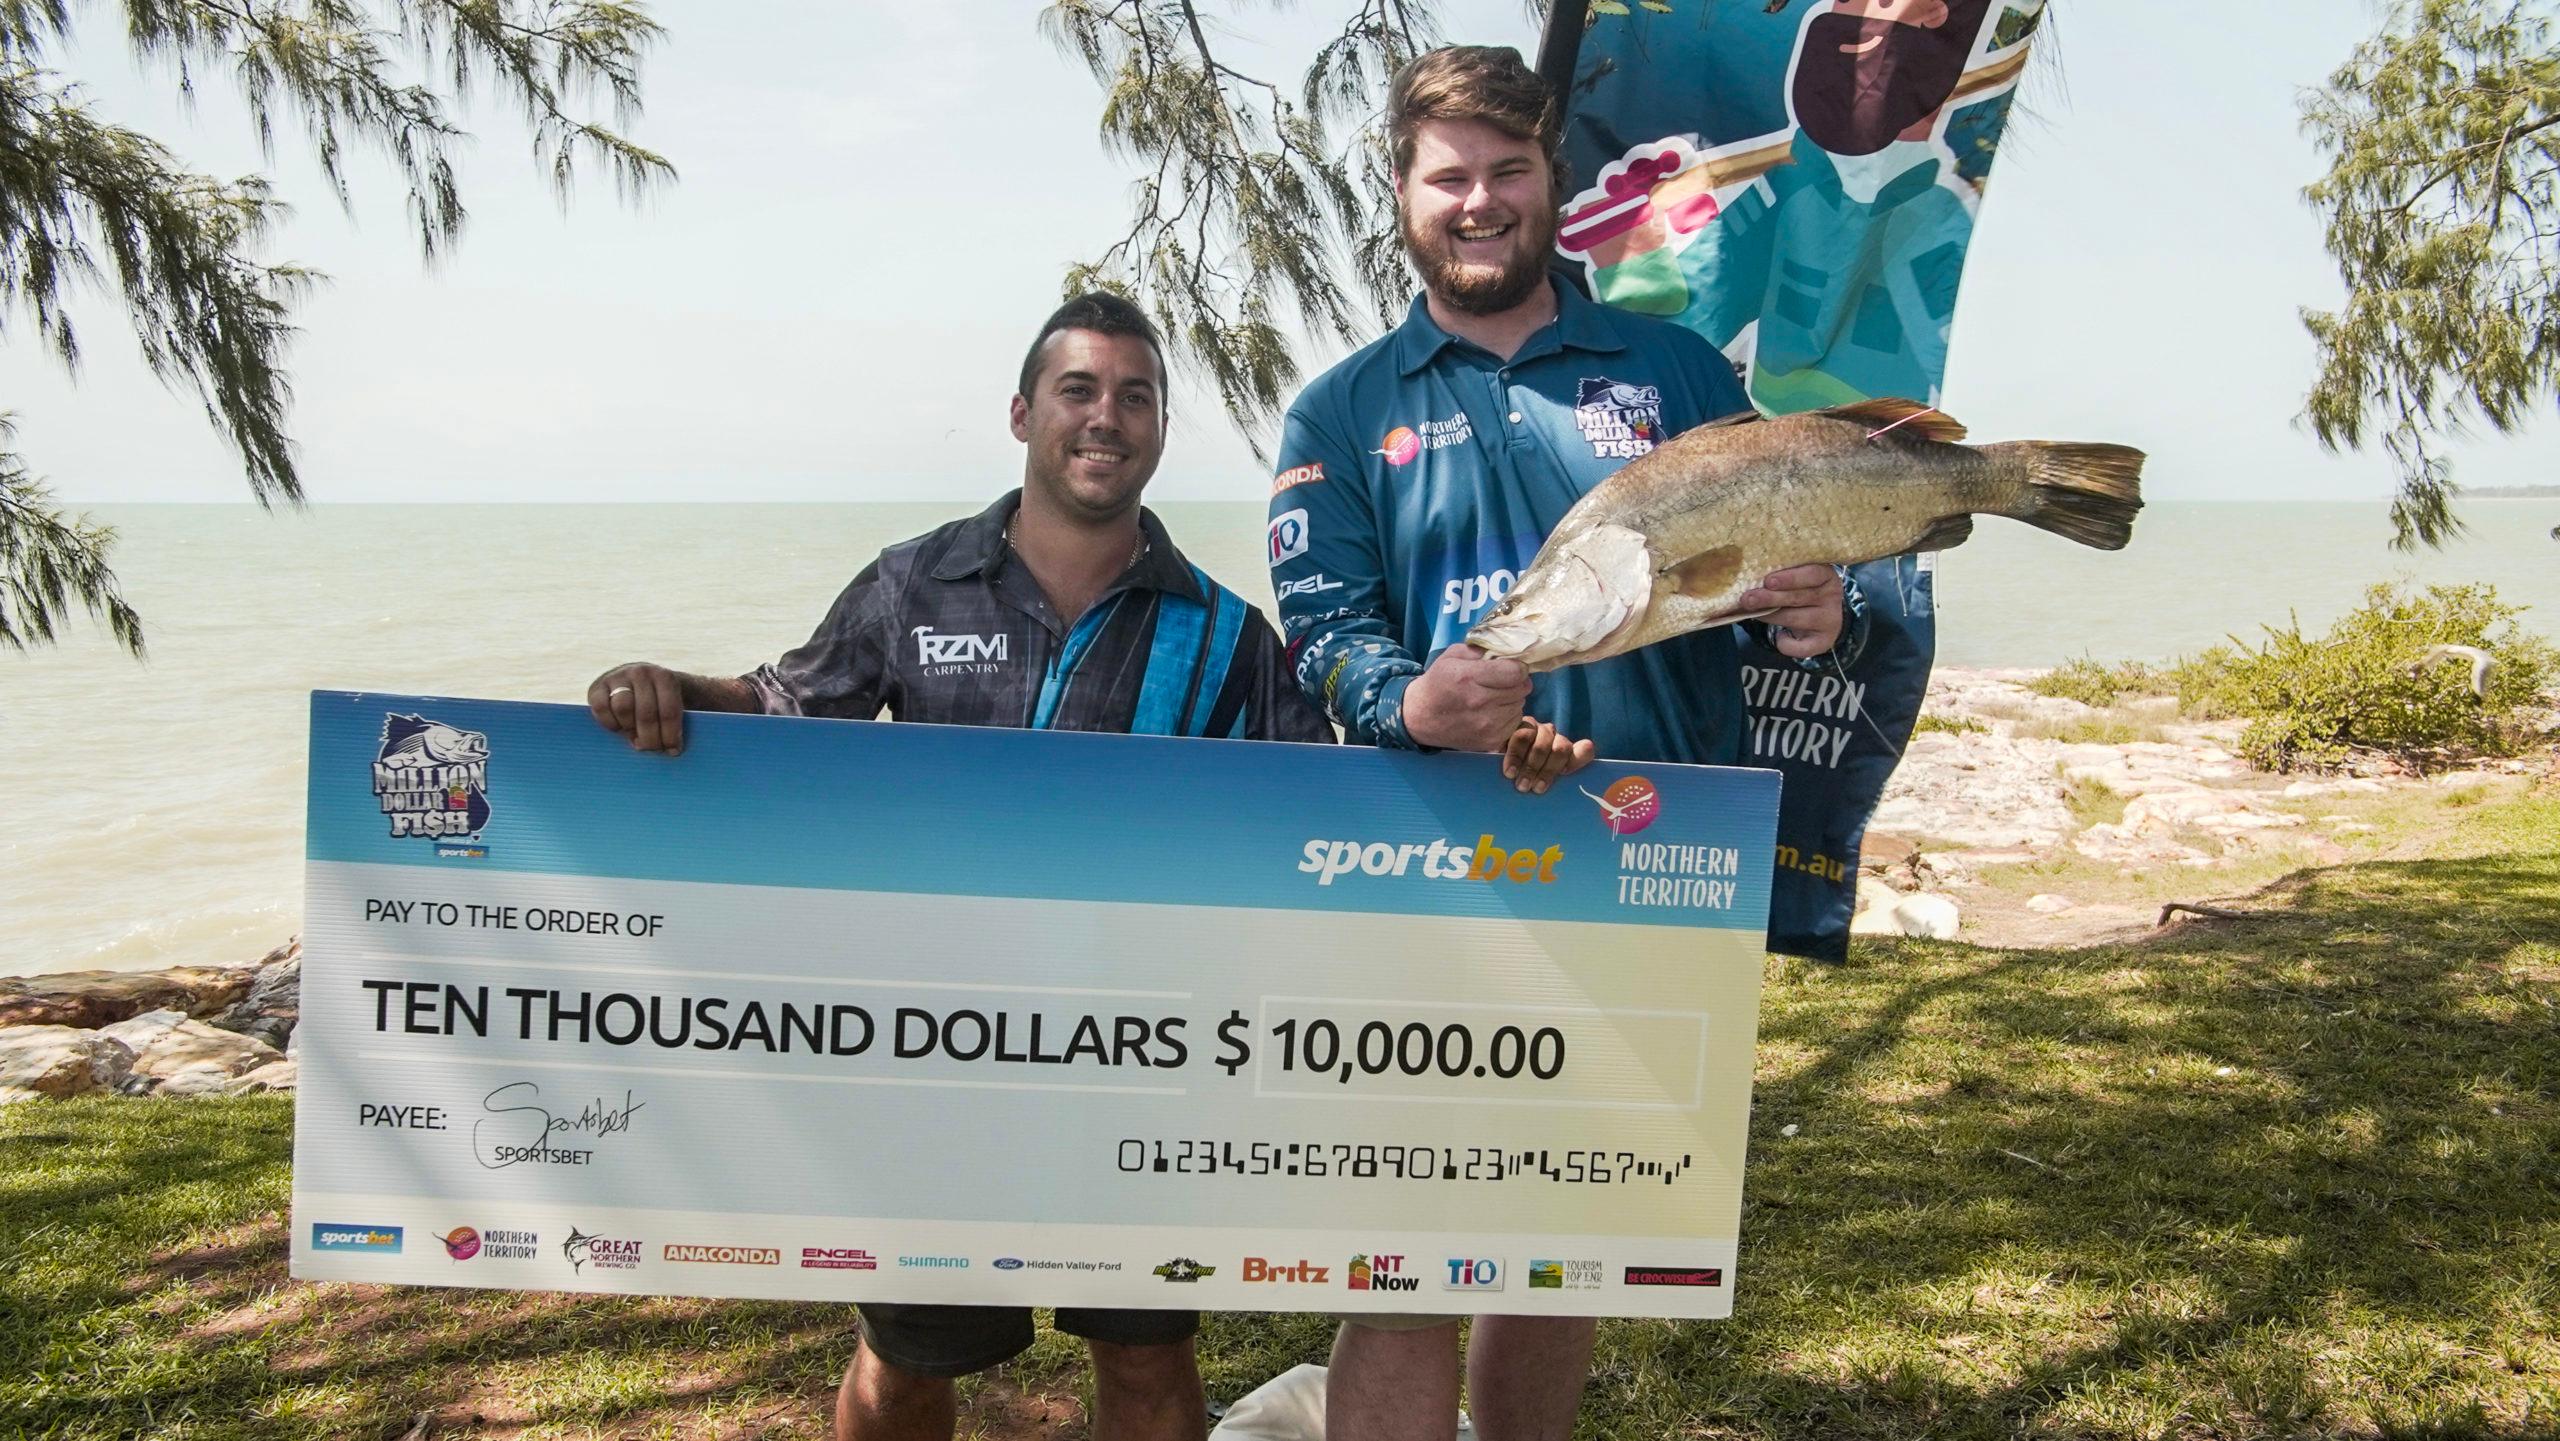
x=432, y=779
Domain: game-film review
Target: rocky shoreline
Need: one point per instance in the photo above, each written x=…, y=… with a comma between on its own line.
x=183, y=1031
x=2001, y=787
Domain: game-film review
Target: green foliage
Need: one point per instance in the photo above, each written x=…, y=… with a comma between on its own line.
x=1957, y=725
x=1256, y=198
x=47, y=562
x=2093, y=802
x=85, y=202
x=2370, y=683
x=2442, y=208
x=2095, y=683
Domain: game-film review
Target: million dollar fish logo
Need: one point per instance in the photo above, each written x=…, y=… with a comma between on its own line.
x=432, y=779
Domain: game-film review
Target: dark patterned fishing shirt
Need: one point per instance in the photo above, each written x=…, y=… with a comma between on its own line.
x=952, y=629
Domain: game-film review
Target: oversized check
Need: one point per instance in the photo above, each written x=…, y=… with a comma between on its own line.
x=866, y=1011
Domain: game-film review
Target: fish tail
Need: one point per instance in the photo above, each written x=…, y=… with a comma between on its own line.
x=2087, y=493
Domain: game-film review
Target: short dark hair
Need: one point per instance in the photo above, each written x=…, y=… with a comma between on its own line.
x=1101, y=312
x=1490, y=83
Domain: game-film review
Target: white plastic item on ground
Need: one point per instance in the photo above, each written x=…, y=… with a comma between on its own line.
x=1288, y=1407
x=1934, y=917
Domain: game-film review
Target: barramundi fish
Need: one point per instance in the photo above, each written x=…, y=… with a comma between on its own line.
x=1671, y=542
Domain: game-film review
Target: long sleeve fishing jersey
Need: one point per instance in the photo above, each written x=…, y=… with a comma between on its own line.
x=1416, y=481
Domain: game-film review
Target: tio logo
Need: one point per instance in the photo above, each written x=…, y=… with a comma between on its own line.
x=1382, y=1273
x=1473, y=1275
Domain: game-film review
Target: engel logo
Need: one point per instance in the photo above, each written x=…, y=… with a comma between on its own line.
x=1486, y=860
x=1465, y=597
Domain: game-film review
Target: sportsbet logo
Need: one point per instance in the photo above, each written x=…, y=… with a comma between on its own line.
x=1441, y=860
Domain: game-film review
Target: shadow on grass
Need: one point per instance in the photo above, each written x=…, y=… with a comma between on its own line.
x=2284, y=1175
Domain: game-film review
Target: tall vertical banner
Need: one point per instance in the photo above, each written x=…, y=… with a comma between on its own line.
x=1797, y=180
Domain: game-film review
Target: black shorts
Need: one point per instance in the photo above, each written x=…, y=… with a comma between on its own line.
x=959, y=1340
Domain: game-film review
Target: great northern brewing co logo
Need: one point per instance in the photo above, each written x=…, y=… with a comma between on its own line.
x=431, y=778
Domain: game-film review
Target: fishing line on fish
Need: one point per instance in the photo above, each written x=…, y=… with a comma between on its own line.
x=1906, y=420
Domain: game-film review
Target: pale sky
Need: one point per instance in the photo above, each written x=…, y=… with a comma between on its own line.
x=877, y=203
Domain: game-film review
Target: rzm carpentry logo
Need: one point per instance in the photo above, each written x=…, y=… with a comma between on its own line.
x=432, y=778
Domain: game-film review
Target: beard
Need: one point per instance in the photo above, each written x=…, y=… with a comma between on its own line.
x=1477, y=289
x=1858, y=104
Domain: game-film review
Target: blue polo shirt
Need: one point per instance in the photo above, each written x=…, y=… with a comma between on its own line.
x=1417, y=479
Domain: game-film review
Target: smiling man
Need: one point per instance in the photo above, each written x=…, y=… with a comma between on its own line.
x=1063, y=606
x=1417, y=479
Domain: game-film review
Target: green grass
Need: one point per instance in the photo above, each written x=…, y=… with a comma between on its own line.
x=1952, y=725
x=2288, y=1176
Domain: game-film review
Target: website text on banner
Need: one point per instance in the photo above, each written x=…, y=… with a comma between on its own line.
x=861, y=1011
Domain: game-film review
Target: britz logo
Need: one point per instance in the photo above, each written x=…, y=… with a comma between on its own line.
x=1381, y=1273
x=838, y=1258
x=1287, y=537
x=432, y=779
x=1296, y=1272
x=326, y=1237
x=974, y=650
x=1473, y=1275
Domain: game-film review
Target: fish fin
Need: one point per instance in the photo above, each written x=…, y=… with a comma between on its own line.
x=1709, y=572
x=2087, y=493
x=1945, y=531
x=1907, y=417
x=1739, y=417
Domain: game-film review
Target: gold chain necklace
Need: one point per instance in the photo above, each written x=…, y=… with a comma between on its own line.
x=1136, y=552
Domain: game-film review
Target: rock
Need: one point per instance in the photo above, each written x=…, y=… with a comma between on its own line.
x=2046, y=905
x=2343, y=785
x=273, y=1005
x=273, y=1076
x=40, y=1061
x=1874, y=916
x=176, y=1055
x=1934, y=917
x=2463, y=780
x=87, y=1000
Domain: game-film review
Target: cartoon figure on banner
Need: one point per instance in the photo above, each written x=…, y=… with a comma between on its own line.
x=1823, y=259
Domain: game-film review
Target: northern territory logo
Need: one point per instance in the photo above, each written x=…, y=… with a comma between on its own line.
x=1621, y=421
x=432, y=779
x=1628, y=805
x=1404, y=443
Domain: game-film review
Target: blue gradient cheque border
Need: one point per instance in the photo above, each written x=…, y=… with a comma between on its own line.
x=951, y=810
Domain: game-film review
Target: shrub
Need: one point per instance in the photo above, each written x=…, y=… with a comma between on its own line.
x=2361, y=686
x=2093, y=683
x=1951, y=724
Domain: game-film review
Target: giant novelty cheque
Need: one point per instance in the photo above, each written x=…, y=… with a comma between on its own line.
x=863, y=1011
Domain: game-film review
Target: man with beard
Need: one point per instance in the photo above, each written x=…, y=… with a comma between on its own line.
x=1849, y=258
x=1417, y=479
x=1062, y=606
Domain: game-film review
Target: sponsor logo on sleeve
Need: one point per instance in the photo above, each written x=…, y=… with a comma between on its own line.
x=327, y=1236
x=432, y=779
x=1473, y=1274
x=1287, y=537
x=1297, y=475
x=1315, y=584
